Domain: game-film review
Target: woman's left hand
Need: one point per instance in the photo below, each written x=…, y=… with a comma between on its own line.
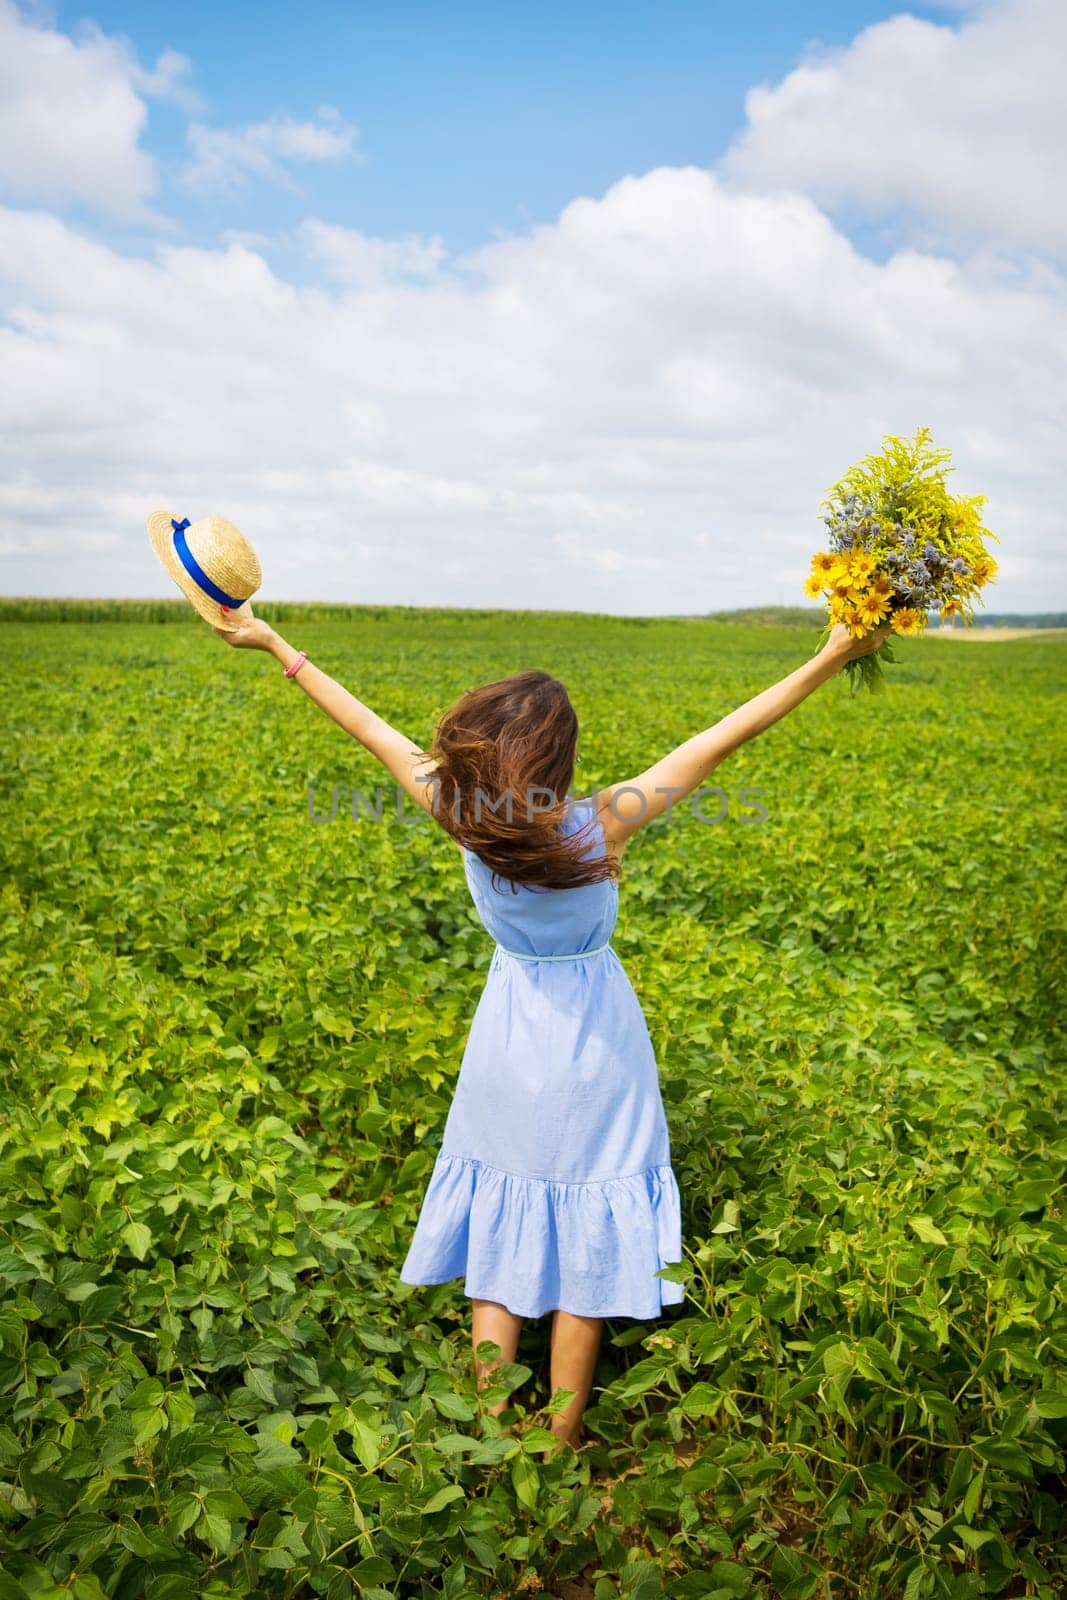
x=250, y=633
x=842, y=645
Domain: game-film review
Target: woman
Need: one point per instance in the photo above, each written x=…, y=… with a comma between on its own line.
x=552, y=1188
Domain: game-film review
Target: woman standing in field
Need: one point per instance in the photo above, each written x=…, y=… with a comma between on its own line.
x=552, y=1189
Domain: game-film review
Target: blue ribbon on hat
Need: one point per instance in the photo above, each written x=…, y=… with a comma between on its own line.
x=195, y=571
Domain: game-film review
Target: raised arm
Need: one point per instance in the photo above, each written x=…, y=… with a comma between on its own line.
x=626, y=807
x=407, y=763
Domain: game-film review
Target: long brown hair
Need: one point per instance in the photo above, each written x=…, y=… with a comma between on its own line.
x=504, y=757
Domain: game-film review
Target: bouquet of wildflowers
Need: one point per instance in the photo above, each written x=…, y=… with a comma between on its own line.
x=900, y=546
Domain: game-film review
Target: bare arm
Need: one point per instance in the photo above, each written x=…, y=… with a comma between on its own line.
x=626, y=807
x=410, y=766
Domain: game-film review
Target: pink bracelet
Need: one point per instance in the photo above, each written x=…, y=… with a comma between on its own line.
x=291, y=672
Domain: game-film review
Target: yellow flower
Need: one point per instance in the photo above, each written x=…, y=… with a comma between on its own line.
x=984, y=571
x=823, y=564
x=872, y=608
x=847, y=591
x=908, y=620
x=951, y=608
x=813, y=587
x=860, y=567
x=840, y=604
x=882, y=588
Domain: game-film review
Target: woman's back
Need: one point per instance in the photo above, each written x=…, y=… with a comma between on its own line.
x=548, y=922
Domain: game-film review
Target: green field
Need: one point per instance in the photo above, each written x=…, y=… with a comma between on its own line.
x=228, y=1043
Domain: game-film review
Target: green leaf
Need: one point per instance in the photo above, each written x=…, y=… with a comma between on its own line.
x=641, y=1580
x=147, y=1423
x=216, y=1532
x=973, y=1495
x=88, y=1587
x=702, y=1400
x=1034, y=1193
x=272, y=1453
x=181, y=1512
x=260, y=1382
x=973, y=1538
x=443, y=1497
x=455, y=1406
x=878, y=1476
x=927, y=1229
x=366, y=1440
x=138, y=1238
x=225, y=1503
x=372, y=1570
x=525, y=1480
x=730, y=1577
x=1007, y=1455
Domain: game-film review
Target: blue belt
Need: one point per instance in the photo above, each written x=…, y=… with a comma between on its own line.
x=578, y=955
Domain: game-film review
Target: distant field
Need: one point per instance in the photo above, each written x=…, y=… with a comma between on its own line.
x=229, y=1043
x=993, y=633
x=177, y=610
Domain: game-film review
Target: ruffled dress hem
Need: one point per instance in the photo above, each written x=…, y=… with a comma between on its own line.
x=536, y=1244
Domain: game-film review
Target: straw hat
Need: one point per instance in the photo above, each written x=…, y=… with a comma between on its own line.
x=211, y=561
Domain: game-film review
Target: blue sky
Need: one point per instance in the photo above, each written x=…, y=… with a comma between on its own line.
x=473, y=119
x=569, y=307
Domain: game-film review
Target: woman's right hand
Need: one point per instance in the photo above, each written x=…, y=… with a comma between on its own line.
x=250, y=633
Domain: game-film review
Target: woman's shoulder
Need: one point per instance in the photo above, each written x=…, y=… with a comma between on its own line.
x=592, y=811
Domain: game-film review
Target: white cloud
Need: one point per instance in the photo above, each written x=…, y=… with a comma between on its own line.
x=636, y=408
x=348, y=256
x=72, y=114
x=955, y=131
x=167, y=81
x=225, y=158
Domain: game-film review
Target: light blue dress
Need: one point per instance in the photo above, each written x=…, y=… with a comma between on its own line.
x=553, y=1184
